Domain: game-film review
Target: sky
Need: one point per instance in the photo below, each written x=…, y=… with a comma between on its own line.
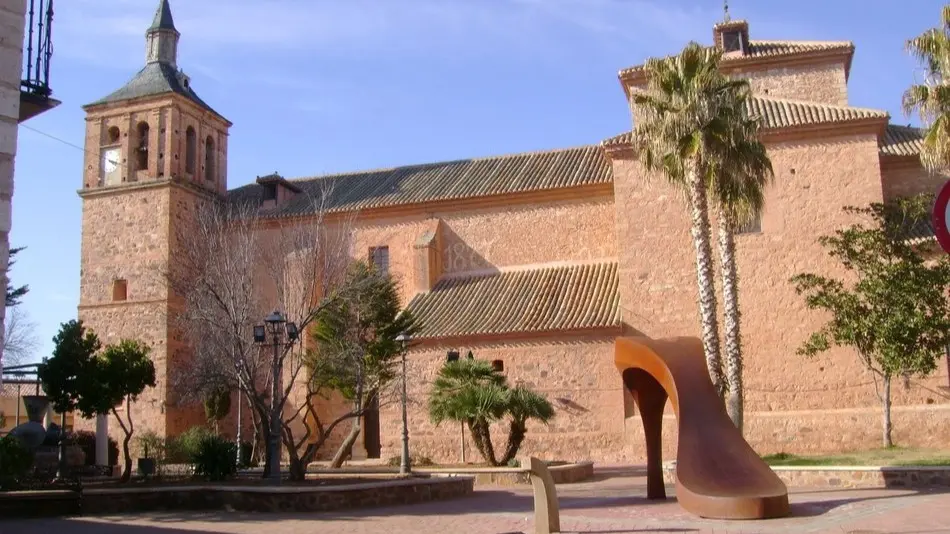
x=318, y=86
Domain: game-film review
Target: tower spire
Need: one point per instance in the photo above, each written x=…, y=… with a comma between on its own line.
x=163, y=18
x=725, y=10
x=161, y=38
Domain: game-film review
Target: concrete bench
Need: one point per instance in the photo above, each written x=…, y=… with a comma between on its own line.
x=547, y=515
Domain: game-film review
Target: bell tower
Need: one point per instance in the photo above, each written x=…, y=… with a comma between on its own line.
x=154, y=150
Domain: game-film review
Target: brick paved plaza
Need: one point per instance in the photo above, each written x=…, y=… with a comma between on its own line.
x=614, y=503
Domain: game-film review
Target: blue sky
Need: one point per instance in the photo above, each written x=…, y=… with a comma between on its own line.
x=316, y=86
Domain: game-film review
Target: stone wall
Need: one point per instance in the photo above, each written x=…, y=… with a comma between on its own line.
x=288, y=499
x=11, y=66
x=852, y=477
x=824, y=83
x=576, y=375
x=508, y=235
x=904, y=178
x=793, y=403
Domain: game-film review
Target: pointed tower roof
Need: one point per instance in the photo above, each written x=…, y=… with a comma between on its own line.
x=163, y=18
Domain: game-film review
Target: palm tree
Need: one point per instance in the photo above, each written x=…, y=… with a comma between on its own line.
x=931, y=99
x=684, y=116
x=473, y=392
x=740, y=177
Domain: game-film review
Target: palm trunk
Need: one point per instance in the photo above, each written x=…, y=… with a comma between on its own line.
x=482, y=438
x=699, y=219
x=515, y=438
x=731, y=318
x=886, y=398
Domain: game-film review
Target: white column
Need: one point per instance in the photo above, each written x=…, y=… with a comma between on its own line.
x=102, y=440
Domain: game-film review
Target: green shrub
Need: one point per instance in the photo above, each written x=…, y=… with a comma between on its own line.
x=15, y=463
x=215, y=458
x=182, y=449
x=514, y=462
x=150, y=445
x=87, y=442
x=246, y=449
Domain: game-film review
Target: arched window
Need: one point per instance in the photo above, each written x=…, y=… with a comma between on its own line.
x=141, y=151
x=114, y=135
x=191, y=150
x=209, y=159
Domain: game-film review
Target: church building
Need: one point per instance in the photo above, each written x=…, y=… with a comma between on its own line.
x=535, y=261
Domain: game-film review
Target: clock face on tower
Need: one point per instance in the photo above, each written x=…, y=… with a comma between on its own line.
x=110, y=166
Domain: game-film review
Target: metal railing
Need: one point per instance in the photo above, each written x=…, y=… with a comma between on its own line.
x=39, y=48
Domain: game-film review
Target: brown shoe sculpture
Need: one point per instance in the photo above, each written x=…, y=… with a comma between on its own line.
x=718, y=475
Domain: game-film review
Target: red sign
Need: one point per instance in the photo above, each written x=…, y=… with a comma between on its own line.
x=941, y=217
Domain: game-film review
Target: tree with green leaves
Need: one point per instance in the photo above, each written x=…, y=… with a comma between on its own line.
x=475, y=393
x=80, y=377
x=930, y=99
x=687, y=108
x=895, y=313
x=355, y=354
x=14, y=294
x=122, y=372
x=67, y=374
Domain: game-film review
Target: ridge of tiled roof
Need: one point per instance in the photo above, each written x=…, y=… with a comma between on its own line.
x=771, y=48
x=450, y=180
x=571, y=297
x=901, y=140
x=784, y=113
x=156, y=78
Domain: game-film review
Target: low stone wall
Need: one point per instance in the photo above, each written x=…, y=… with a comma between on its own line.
x=514, y=476
x=234, y=498
x=39, y=503
x=852, y=477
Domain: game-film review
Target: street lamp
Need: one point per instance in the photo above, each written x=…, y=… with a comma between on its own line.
x=404, y=462
x=283, y=335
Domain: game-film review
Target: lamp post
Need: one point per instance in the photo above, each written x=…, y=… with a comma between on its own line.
x=404, y=468
x=283, y=335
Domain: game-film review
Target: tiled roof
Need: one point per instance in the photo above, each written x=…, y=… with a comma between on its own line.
x=780, y=113
x=768, y=49
x=155, y=79
x=415, y=184
x=901, y=141
x=561, y=298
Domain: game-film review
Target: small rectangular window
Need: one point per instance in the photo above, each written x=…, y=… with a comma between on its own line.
x=379, y=257
x=270, y=192
x=498, y=365
x=732, y=41
x=452, y=356
x=120, y=290
x=751, y=227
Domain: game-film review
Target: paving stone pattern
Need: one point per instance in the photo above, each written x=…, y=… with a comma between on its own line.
x=614, y=503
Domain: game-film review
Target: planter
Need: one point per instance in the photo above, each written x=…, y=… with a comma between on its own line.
x=146, y=466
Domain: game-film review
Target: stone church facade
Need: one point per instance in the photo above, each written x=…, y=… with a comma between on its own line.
x=534, y=261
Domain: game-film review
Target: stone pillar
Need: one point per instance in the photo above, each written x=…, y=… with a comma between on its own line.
x=12, y=23
x=102, y=440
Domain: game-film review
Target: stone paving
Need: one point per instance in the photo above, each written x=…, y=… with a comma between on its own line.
x=614, y=503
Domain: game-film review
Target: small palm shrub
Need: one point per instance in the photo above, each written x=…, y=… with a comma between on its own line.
x=475, y=393
x=215, y=459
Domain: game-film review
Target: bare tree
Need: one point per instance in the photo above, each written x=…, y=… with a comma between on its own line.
x=19, y=341
x=232, y=268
